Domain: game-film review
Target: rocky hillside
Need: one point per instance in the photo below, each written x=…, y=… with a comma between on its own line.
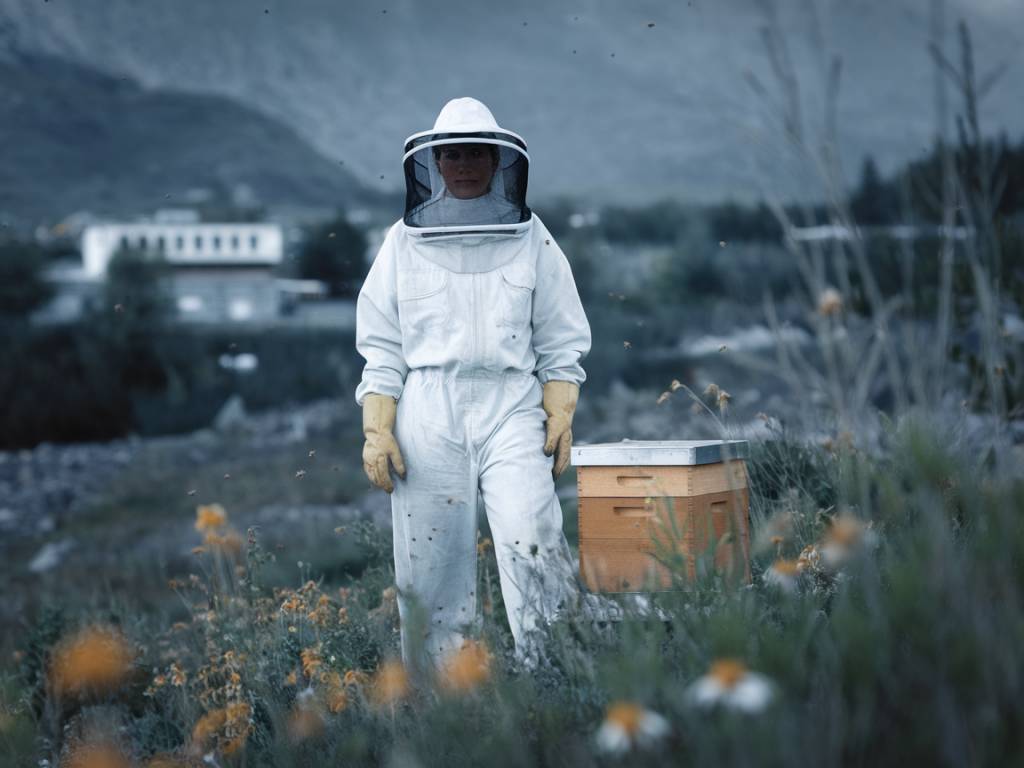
x=78, y=139
x=629, y=101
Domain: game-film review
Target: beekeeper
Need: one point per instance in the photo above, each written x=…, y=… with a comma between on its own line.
x=473, y=333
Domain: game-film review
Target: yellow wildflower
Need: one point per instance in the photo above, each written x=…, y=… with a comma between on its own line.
x=304, y=724
x=334, y=691
x=293, y=604
x=97, y=755
x=206, y=729
x=165, y=761
x=229, y=543
x=96, y=659
x=390, y=684
x=178, y=675
x=210, y=517
x=311, y=661
x=355, y=677
x=238, y=726
x=467, y=668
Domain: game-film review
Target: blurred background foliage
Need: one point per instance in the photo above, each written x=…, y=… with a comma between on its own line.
x=703, y=267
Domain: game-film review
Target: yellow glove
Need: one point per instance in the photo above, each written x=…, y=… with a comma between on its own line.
x=378, y=421
x=560, y=399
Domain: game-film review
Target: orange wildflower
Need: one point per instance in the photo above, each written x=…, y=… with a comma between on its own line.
x=210, y=517
x=468, y=668
x=355, y=677
x=727, y=672
x=229, y=543
x=390, y=684
x=311, y=661
x=226, y=728
x=98, y=755
x=165, y=761
x=304, y=724
x=96, y=659
x=335, y=695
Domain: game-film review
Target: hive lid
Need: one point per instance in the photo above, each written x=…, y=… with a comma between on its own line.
x=645, y=453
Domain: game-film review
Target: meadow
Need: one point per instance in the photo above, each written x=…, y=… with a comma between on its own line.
x=882, y=624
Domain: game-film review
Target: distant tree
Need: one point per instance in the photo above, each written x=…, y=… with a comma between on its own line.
x=730, y=221
x=136, y=305
x=136, y=291
x=665, y=221
x=556, y=214
x=23, y=285
x=335, y=253
x=874, y=201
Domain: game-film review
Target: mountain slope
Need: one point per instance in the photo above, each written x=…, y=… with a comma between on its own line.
x=624, y=101
x=76, y=138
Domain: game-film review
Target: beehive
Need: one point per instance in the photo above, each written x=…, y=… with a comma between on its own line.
x=644, y=504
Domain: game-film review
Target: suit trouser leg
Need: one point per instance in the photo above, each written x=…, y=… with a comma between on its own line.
x=434, y=513
x=525, y=516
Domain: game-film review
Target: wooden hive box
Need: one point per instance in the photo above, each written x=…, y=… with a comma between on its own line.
x=645, y=503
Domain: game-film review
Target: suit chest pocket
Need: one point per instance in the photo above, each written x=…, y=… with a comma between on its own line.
x=422, y=300
x=517, y=283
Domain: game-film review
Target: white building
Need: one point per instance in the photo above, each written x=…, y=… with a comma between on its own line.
x=220, y=271
x=186, y=244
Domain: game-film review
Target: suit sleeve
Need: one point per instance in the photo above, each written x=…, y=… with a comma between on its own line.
x=378, y=333
x=561, y=332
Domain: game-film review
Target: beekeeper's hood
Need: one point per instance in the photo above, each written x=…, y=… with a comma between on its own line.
x=431, y=209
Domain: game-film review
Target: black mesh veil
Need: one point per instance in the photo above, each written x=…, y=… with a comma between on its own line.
x=488, y=171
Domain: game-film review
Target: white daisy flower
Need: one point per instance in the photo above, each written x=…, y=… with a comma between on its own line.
x=784, y=574
x=730, y=684
x=844, y=537
x=627, y=724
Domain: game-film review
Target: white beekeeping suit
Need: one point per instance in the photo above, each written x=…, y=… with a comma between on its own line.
x=468, y=310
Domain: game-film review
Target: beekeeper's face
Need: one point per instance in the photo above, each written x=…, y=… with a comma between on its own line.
x=467, y=168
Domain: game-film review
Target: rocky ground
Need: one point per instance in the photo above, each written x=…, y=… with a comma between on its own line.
x=52, y=486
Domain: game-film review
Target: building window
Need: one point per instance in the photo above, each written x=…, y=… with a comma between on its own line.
x=124, y=242
x=160, y=243
x=216, y=242
x=179, y=242
x=199, y=242
x=189, y=304
x=234, y=242
x=240, y=309
x=254, y=242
